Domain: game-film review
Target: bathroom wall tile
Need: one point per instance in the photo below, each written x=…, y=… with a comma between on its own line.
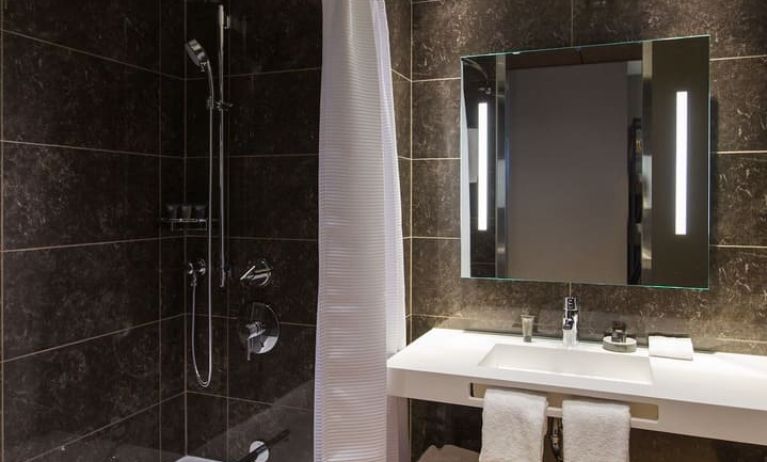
x=172, y=171
x=273, y=197
x=407, y=245
x=196, y=250
x=172, y=117
x=173, y=352
x=402, y=90
x=206, y=426
x=57, y=96
x=220, y=368
x=197, y=185
x=436, y=115
x=446, y=30
x=275, y=113
x=172, y=54
x=736, y=28
x=436, y=198
x=739, y=89
x=437, y=424
x=292, y=292
x=269, y=38
x=405, y=188
x=124, y=30
x=173, y=287
x=55, y=196
x=47, y=405
x=173, y=429
x=399, y=18
x=197, y=116
x=265, y=378
x=649, y=446
x=135, y=439
x=738, y=209
x=735, y=303
x=438, y=289
x=729, y=310
x=91, y=290
x=288, y=432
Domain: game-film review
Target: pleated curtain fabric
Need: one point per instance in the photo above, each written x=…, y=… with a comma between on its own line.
x=361, y=302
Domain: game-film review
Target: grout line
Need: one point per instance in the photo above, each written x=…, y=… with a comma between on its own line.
x=248, y=156
x=245, y=400
x=572, y=22
x=732, y=58
x=739, y=152
x=87, y=244
x=437, y=237
x=282, y=71
x=416, y=2
x=399, y=74
x=2, y=236
x=87, y=339
x=287, y=239
x=436, y=158
x=63, y=446
x=84, y=148
x=88, y=53
x=738, y=246
x=437, y=79
x=159, y=234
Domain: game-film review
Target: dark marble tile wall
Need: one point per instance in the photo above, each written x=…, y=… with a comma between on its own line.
x=92, y=354
x=730, y=316
x=272, y=134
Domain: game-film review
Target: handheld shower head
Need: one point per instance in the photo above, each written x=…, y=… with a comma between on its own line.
x=197, y=54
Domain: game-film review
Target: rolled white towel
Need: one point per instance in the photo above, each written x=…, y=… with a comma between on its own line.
x=670, y=347
x=513, y=426
x=595, y=432
x=448, y=453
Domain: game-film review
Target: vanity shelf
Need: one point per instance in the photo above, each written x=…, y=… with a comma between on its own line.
x=717, y=395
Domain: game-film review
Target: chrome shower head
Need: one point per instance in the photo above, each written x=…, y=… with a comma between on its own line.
x=197, y=54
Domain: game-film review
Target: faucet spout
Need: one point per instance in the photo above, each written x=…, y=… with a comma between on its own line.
x=570, y=322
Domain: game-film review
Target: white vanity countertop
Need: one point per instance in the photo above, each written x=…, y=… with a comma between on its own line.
x=730, y=388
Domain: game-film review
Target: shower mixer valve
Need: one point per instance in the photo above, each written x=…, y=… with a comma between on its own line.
x=196, y=270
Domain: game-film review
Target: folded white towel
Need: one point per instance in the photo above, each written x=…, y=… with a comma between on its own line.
x=513, y=427
x=448, y=453
x=670, y=347
x=595, y=432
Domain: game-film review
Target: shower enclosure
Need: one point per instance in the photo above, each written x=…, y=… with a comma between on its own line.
x=112, y=184
x=251, y=134
x=215, y=106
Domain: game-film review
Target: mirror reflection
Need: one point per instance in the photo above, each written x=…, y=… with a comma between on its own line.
x=587, y=164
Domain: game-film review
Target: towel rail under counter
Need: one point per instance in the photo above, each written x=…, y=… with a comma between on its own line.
x=642, y=414
x=717, y=395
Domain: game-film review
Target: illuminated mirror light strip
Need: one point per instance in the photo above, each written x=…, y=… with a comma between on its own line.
x=482, y=153
x=681, y=164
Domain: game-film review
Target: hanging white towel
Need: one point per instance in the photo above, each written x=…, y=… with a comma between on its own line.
x=595, y=432
x=513, y=427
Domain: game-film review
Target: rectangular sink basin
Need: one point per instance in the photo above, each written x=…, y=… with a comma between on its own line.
x=550, y=359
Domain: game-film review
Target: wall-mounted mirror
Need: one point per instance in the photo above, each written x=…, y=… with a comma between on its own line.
x=587, y=164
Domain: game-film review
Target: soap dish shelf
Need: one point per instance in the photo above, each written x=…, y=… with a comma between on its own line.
x=183, y=224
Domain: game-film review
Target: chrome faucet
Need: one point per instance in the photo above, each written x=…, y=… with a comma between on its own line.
x=570, y=322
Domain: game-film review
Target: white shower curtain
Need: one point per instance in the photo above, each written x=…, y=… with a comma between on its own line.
x=361, y=305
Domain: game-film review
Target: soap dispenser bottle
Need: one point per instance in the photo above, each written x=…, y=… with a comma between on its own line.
x=570, y=323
